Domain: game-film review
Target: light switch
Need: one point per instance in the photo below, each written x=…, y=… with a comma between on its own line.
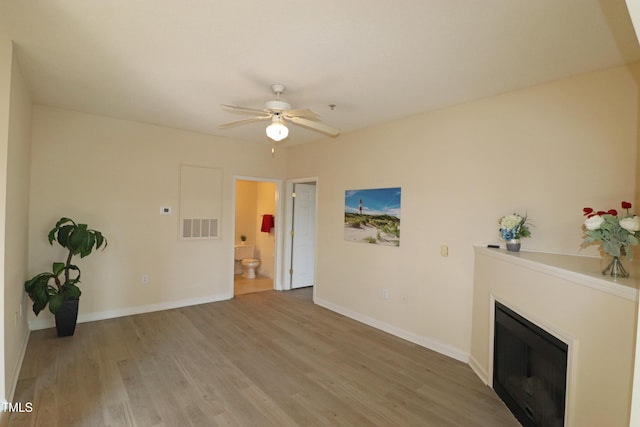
x=444, y=250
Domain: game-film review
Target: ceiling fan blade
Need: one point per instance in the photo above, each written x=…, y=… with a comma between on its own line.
x=306, y=113
x=243, y=110
x=242, y=122
x=319, y=126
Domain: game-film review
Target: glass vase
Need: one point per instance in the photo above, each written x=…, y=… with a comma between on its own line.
x=615, y=269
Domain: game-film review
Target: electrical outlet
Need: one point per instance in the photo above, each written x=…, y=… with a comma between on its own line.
x=145, y=279
x=385, y=293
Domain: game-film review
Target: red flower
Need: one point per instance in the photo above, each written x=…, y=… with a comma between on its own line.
x=589, y=212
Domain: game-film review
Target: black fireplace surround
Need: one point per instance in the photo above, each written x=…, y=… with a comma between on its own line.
x=529, y=369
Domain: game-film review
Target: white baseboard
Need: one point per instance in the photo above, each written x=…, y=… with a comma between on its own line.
x=429, y=343
x=479, y=370
x=129, y=311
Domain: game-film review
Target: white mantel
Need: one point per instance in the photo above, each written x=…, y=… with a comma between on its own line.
x=583, y=270
x=568, y=296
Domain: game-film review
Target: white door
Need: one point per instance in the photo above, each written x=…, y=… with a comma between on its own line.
x=303, y=237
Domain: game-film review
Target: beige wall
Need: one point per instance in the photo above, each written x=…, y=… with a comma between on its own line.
x=16, y=226
x=15, y=140
x=635, y=411
x=547, y=151
x=114, y=175
x=6, y=61
x=246, y=211
x=265, y=242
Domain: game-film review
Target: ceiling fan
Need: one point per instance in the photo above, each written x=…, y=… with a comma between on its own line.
x=279, y=111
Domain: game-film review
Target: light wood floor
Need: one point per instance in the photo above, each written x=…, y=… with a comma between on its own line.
x=242, y=286
x=262, y=359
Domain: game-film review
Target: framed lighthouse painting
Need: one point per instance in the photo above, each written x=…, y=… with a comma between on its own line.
x=372, y=216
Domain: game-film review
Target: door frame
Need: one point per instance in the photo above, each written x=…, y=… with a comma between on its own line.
x=277, y=267
x=288, y=227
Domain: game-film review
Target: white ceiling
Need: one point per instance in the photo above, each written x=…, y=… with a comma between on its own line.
x=173, y=63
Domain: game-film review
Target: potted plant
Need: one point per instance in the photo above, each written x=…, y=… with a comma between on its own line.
x=513, y=228
x=58, y=288
x=615, y=233
x=243, y=239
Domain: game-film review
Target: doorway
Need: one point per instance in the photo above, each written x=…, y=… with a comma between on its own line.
x=301, y=224
x=255, y=234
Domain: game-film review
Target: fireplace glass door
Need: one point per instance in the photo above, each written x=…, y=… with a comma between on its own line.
x=529, y=369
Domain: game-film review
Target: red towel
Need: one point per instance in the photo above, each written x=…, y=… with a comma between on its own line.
x=268, y=222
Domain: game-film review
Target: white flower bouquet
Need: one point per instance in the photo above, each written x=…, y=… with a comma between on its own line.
x=514, y=226
x=615, y=233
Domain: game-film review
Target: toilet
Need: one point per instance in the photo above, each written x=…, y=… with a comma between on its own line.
x=245, y=254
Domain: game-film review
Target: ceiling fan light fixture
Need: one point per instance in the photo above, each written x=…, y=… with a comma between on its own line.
x=278, y=111
x=276, y=130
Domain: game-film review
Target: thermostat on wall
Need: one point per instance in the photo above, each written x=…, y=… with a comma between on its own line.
x=165, y=210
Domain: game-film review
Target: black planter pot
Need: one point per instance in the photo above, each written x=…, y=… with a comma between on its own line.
x=67, y=317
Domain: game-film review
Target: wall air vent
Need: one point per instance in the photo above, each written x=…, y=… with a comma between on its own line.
x=196, y=228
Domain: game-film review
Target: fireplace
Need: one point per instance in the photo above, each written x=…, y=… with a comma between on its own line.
x=529, y=369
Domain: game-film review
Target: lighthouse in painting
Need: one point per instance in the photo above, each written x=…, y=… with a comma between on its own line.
x=360, y=207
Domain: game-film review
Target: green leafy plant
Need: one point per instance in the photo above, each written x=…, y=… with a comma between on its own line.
x=616, y=233
x=54, y=287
